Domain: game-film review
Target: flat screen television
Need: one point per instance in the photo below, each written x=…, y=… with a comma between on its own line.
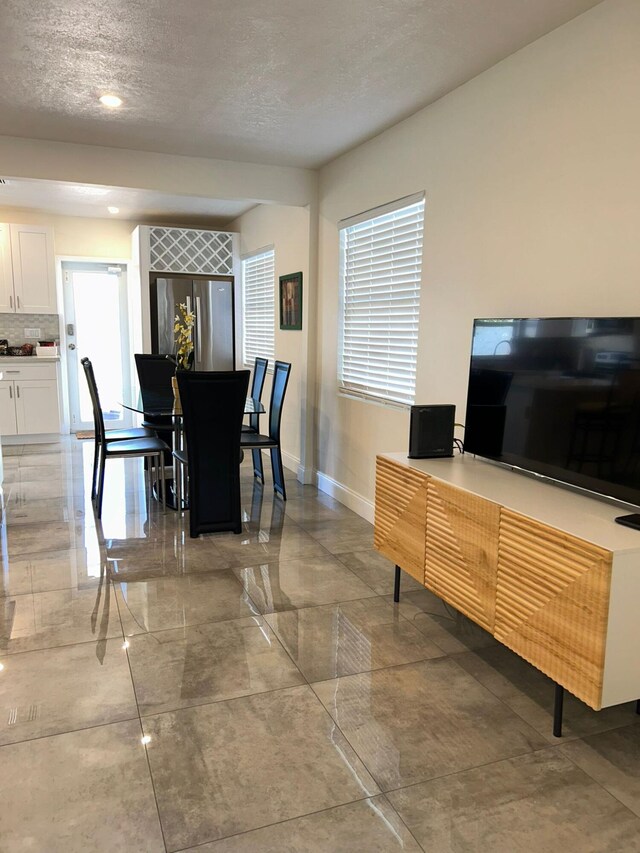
x=560, y=397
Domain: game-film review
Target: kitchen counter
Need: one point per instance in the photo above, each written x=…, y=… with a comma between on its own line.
x=27, y=359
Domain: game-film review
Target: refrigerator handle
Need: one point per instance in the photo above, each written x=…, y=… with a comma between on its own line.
x=188, y=300
x=198, y=331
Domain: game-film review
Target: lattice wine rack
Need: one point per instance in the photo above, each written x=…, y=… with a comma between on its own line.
x=188, y=250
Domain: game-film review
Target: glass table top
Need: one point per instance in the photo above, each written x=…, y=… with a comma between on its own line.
x=159, y=405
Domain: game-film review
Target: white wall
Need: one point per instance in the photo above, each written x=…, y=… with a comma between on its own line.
x=166, y=173
x=531, y=173
x=287, y=230
x=77, y=235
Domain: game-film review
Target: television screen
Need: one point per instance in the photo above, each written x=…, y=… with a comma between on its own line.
x=559, y=397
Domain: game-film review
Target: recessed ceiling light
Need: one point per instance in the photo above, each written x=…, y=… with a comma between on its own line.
x=112, y=209
x=110, y=101
x=90, y=191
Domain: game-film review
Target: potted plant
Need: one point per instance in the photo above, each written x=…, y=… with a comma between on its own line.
x=183, y=332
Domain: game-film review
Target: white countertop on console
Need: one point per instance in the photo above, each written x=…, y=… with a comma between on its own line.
x=588, y=518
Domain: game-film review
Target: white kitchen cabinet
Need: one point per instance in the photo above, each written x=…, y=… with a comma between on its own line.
x=29, y=397
x=37, y=406
x=7, y=300
x=33, y=263
x=27, y=270
x=8, y=424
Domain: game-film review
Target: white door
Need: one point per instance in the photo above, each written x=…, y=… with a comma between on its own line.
x=7, y=409
x=6, y=270
x=95, y=317
x=37, y=408
x=33, y=269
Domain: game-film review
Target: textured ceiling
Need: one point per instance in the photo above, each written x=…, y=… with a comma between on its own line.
x=290, y=82
x=138, y=205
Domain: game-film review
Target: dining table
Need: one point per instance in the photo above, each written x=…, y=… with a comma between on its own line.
x=160, y=406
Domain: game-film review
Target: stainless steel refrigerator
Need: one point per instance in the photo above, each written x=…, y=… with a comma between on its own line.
x=212, y=302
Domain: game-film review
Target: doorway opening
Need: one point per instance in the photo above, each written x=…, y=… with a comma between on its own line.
x=96, y=325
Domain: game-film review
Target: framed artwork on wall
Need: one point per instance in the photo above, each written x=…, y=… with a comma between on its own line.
x=291, y=301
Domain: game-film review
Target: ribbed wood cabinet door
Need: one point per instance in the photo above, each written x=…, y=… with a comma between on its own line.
x=401, y=506
x=462, y=550
x=552, y=603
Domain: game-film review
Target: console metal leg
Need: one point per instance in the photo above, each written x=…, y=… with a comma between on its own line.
x=557, y=711
x=396, y=585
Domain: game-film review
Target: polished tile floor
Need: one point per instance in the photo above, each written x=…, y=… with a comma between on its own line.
x=262, y=692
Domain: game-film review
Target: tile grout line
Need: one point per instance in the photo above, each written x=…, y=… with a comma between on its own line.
x=290, y=820
x=564, y=739
x=403, y=822
x=593, y=779
x=382, y=795
x=547, y=748
x=70, y=731
x=142, y=732
x=312, y=693
x=528, y=752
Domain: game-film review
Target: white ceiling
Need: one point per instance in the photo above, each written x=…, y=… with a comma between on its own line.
x=290, y=82
x=138, y=205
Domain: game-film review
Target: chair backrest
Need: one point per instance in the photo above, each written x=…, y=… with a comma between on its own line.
x=154, y=374
x=212, y=409
x=278, y=390
x=259, y=373
x=257, y=384
x=98, y=420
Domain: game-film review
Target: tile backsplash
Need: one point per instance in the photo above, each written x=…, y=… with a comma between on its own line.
x=12, y=327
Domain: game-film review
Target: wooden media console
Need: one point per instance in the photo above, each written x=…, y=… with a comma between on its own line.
x=543, y=569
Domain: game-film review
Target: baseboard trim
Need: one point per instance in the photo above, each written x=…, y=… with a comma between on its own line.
x=355, y=501
x=32, y=438
x=306, y=476
x=290, y=462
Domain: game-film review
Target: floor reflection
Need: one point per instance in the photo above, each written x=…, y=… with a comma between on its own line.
x=272, y=660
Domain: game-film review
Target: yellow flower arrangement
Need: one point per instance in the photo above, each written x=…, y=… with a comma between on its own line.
x=183, y=330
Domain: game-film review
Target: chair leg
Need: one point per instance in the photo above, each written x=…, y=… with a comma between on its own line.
x=95, y=468
x=103, y=459
x=153, y=476
x=257, y=464
x=278, y=472
x=163, y=483
x=193, y=520
x=177, y=485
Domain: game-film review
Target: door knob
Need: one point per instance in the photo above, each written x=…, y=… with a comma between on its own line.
x=72, y=346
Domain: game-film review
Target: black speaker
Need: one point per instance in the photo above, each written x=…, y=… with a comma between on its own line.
x=431, y=431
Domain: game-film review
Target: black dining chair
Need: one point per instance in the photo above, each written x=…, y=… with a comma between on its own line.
x=258, y=442
x=257, y=384
x=111, y=434
x=107, y=447
x=212, y=410
x=154, y=375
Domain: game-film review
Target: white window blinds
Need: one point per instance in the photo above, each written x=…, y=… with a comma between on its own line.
x=381, y=266
x=258, y=296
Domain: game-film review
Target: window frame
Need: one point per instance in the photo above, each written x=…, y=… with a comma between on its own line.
x=404, y=396
x=244, y=260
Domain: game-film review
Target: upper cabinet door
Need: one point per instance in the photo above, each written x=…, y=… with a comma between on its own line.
x=7, y=299
x=33, y=269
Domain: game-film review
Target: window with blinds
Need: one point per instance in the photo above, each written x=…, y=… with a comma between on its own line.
x=381, y=267
x=258, y=297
